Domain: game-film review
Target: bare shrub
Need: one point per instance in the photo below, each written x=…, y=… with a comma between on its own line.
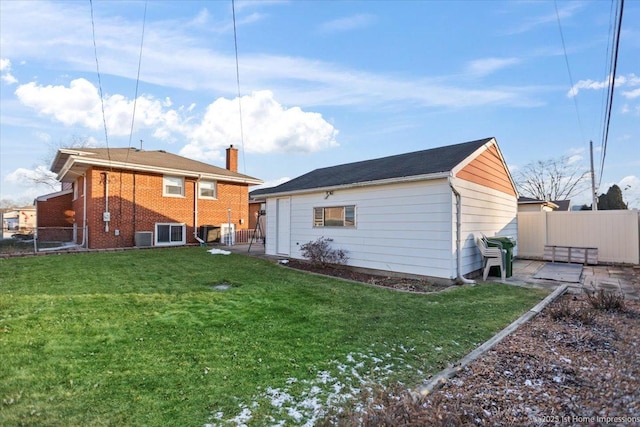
x=563, y=311
x=603, y=300
x=320, y=253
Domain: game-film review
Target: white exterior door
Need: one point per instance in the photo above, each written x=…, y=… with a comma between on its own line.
x=283, y=224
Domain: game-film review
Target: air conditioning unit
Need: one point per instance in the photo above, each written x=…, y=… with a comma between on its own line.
x=228, y=234
x=144, y=239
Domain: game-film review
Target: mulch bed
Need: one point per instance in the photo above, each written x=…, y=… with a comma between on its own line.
x=397, y=283
x=571, y=365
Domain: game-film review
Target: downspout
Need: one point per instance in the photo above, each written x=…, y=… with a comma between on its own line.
x=195, y=210
x=84, y=211
x=106, y=200
x=459, y=277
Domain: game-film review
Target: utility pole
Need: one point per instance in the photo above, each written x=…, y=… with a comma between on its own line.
x=594, y=193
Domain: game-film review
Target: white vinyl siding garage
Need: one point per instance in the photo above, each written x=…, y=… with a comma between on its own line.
x=402, y=228
x=404, y=209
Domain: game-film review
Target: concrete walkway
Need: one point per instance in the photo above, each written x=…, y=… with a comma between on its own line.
x=622, y=279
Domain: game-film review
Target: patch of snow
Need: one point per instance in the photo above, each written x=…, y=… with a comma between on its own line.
x=330, y=388
x=215, y=251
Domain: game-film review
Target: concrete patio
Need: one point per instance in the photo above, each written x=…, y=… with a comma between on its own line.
x=623, y=279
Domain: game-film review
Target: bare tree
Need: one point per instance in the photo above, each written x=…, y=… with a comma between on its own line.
x=41, y=175
x=553, y=179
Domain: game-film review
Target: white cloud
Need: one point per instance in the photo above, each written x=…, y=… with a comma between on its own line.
x=174, y=58
x=22, y=175
x=630, y=186
x=631, y=94
x=31, y=183
x=267, y=127
x=629, y=80
x=347, y=23
x=574, y=159
x=5, y=70
x=79, y=104
x=533, y=22
x=482, y=67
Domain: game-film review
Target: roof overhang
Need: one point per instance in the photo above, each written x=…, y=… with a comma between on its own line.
x=539, y=202
x=472, y=156
x=70, y=165
x=46, y=197
x=405, y=179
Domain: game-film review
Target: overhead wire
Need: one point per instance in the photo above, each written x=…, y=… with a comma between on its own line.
x=95, y=51
x=611, y=88
x=135, y=98
x=235, y=43
x=566, y=60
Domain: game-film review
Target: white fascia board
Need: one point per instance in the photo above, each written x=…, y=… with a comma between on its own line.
x=153, y=169
x=414, y=178
x=65, y=168
x=457, y=168
x=46, y=197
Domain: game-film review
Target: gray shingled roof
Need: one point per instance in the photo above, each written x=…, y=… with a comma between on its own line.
x=129, y=158
x=434, y=160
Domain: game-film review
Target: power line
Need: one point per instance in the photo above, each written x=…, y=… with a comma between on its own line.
x=95, y=52
x=135, y=98
x=235, y=42
x=612, y=83
x=566, y=60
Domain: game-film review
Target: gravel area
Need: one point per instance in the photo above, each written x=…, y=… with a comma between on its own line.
x=571, y=365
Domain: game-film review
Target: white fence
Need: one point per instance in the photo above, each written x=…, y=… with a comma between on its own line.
x=245, y=236
x=616, y=234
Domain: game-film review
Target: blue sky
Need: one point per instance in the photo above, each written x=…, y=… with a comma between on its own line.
x=321, y=82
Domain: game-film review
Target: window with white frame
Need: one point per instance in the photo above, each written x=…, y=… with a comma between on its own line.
x=75, y=189
x=173, y=186
x=334, y=216
x=207, y=189
x=170, y=234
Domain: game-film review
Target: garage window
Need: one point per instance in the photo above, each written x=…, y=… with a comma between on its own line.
x=334, y=216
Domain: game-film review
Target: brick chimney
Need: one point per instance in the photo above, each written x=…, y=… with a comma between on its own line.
x=232, y=159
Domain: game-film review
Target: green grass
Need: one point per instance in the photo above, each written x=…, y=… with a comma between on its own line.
x=141, y=338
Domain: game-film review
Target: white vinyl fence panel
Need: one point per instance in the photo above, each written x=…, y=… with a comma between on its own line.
x=616, y=234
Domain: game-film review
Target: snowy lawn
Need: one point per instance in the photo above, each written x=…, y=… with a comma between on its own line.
x=181, y=337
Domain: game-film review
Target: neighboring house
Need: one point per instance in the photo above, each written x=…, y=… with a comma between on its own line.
x=528, y=204
x=19, y=219
x=402, y=213
x=257, y=207
x=124, y=197
x=563, y=205
x=56, y=218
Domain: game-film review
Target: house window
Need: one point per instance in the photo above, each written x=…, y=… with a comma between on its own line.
x=207, y=189
x=173, y=186
x=335, y=216
x=75, y=190
x=170, y=234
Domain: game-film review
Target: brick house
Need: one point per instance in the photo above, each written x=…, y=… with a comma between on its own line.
x=125, y=197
